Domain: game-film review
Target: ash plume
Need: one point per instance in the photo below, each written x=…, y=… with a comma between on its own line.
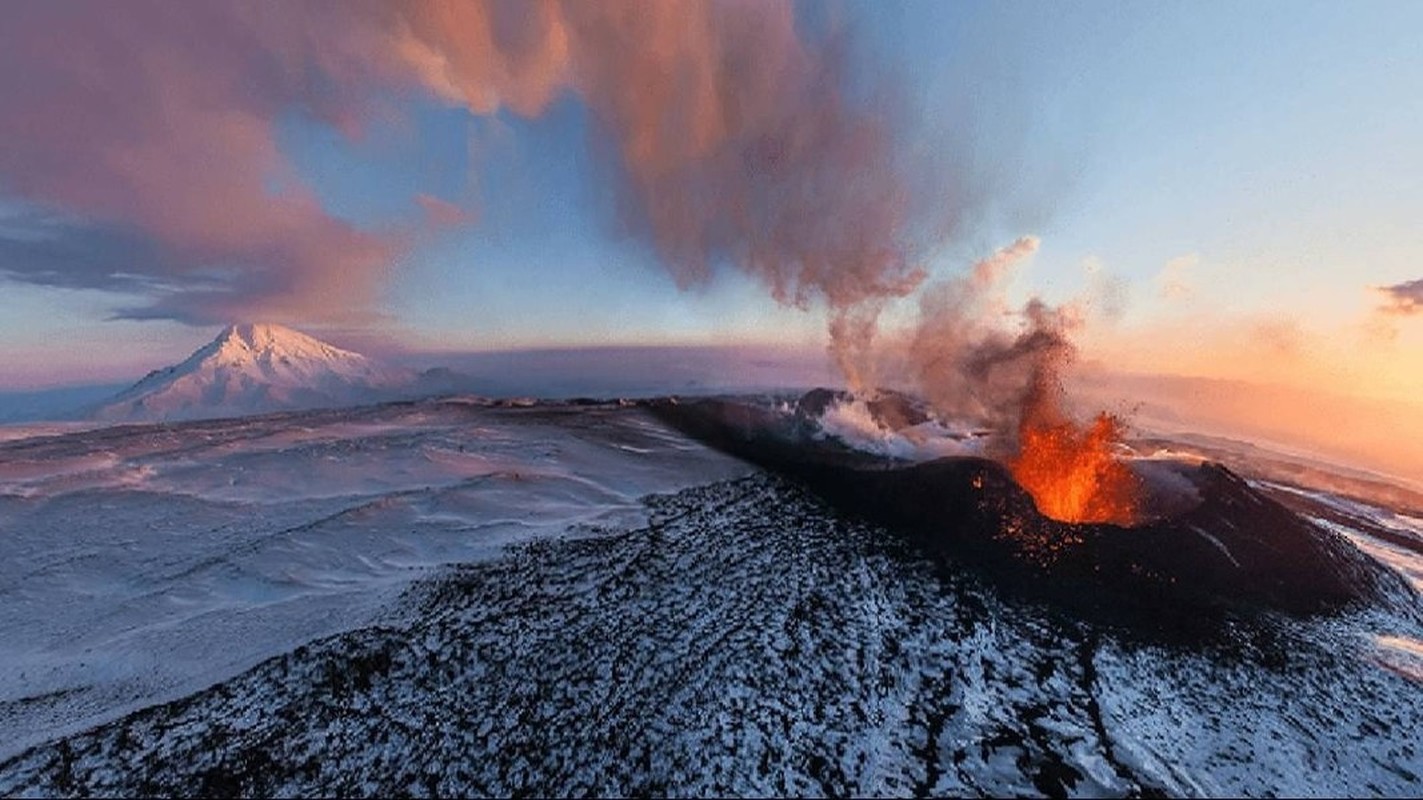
x=736, y=139
x=966, y=362
x=968, y=365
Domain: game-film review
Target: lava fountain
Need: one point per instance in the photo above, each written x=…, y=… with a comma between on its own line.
x=1072, y=471
x=967, y=365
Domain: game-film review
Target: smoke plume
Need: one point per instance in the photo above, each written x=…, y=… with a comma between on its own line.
x=968, y=364
x=148, y=130
x=735, y=140
x=961, y=356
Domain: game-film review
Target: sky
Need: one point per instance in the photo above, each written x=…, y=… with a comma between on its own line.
x=1225, y=189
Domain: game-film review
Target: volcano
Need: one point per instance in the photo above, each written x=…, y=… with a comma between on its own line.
x=255, y=368
x=469, y=597
x=1209, y=547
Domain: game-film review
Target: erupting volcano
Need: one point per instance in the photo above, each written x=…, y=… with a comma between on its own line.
x=966, y=364
x=1072, y=470
x=726, y=429
x=1204, y=546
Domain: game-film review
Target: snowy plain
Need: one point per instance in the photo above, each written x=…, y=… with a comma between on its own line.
x=144, y=562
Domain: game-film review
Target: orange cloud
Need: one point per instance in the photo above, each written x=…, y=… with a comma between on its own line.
x=1278, y=337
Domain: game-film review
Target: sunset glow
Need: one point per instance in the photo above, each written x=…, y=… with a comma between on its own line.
x=412, y=178
x=711, y=398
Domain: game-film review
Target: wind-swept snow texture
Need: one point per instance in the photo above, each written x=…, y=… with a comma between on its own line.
x=253, y=369
x=139, y=563
x=457, y=599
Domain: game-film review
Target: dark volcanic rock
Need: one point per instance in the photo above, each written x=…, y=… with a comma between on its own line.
x=1234, y=552
x=748, y=642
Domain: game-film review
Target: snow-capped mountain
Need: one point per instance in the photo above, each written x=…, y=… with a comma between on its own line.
x=254, y=369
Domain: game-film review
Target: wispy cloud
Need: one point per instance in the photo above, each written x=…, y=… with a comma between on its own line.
x=1402, y=299
x=1175, y=280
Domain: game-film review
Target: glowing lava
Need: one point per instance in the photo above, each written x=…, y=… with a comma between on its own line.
x=1072, y=472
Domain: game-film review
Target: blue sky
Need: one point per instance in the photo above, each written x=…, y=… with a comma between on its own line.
x=1271, y=146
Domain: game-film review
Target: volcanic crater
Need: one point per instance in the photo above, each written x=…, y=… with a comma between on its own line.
x=1205, y=546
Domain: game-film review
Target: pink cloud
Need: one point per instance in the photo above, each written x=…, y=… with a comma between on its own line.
x=442, y=213
x=731, y=137
x=160, y=118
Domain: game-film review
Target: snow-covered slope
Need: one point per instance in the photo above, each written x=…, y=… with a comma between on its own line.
x=470, y=597
x=253, y=369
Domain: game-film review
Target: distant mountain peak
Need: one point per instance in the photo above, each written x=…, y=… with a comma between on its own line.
x=252, y=368
x=263, y=335
x=258, y=342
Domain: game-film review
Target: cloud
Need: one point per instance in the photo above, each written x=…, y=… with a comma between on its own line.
x=1402, y=299
x=1277, y=337
x=1379, y=330
x=50, y=250
x=732, y=137
x=158, y=121
x=1174, y=281
x=964, y=357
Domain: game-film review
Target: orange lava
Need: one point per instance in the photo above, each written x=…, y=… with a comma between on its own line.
x=1072, y=473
